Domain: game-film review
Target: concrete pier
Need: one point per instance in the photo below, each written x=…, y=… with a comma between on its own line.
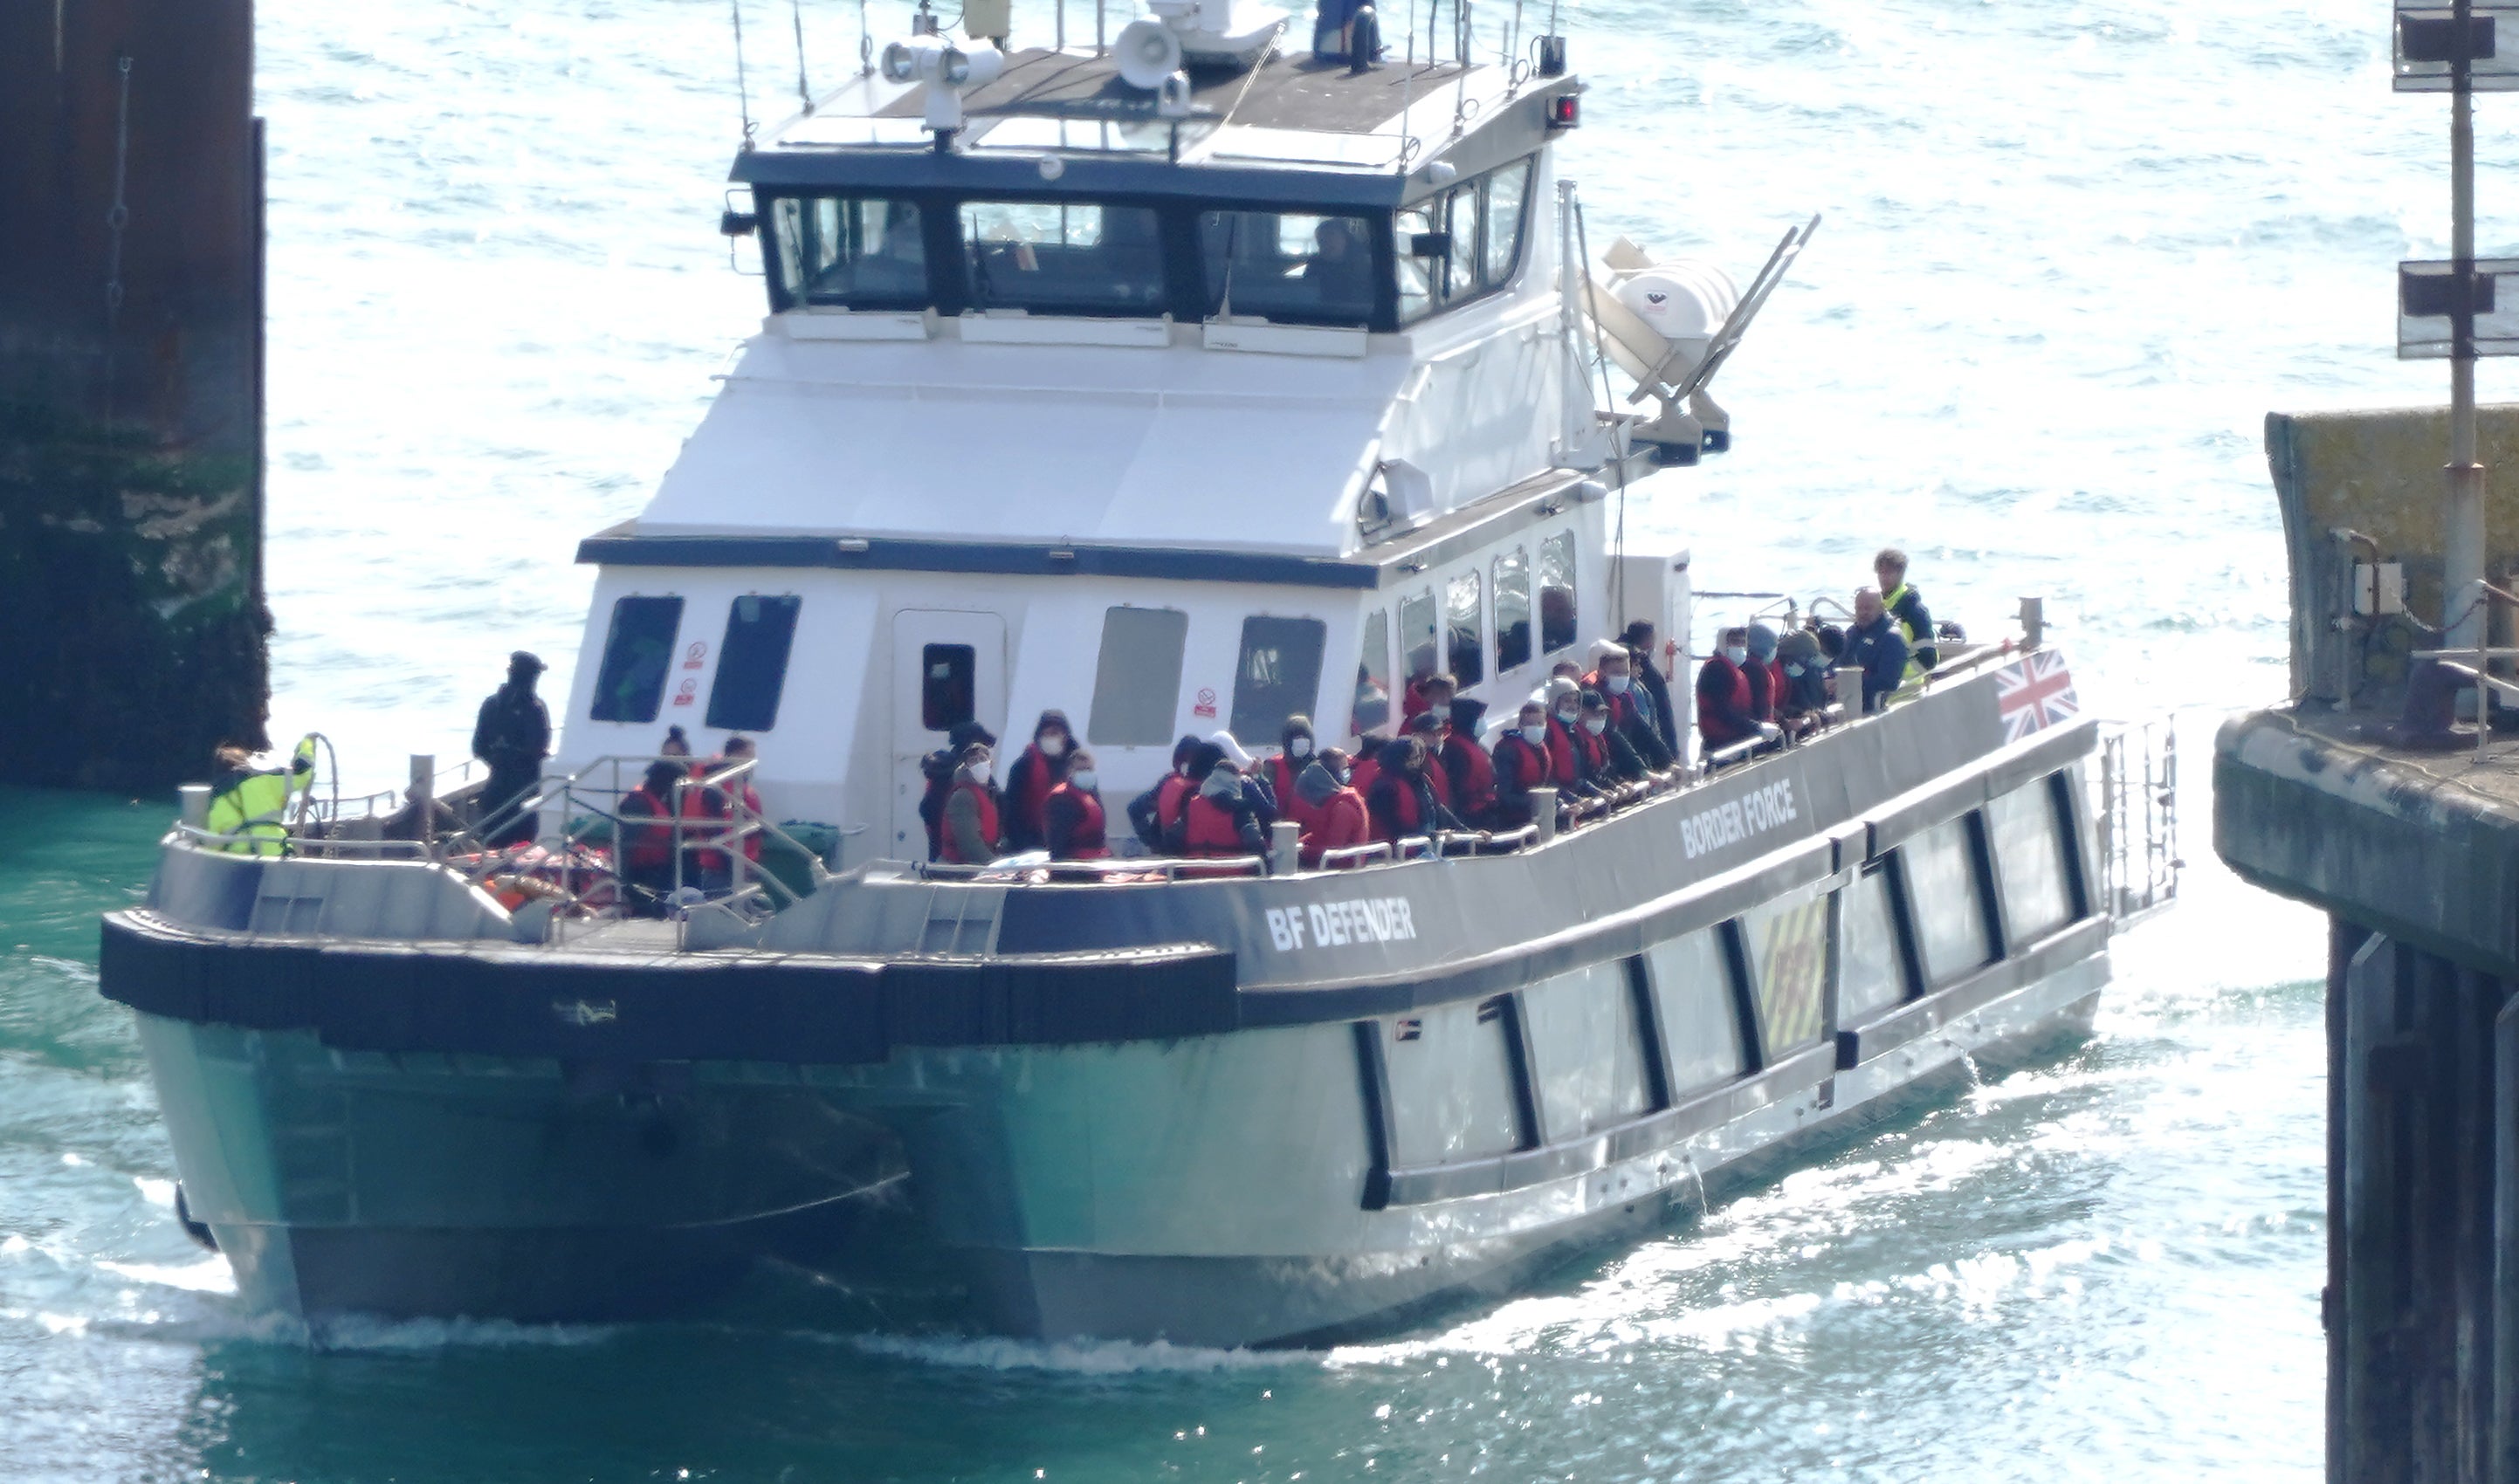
x=2414, y=853
x=130, y=389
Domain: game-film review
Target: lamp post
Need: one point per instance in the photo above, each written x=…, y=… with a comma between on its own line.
x=2447, y=309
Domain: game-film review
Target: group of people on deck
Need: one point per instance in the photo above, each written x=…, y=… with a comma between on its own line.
x=1763, y=690
x=705, y=795
x=1585, y=734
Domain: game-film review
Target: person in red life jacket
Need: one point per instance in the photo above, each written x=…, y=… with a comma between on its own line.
x=1565, y=701
x=1254, y=784
x=1153, y=812
x=1469, y=777
x=1295, y=744
x=1630, y=706
x=1522, y=764
x=1609, y=759
x=646, y=851
x=1403, y=804
x=1432, y=691
x=1034, y=774
x=972, y=829
x=1430, y=727
x=1071, y=822
x=1723, y=715
x=704, y=807
x=1217, y=821
x=937, y=768
x=1335, y=813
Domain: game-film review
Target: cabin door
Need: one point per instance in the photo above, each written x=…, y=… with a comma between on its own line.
x=948, y=666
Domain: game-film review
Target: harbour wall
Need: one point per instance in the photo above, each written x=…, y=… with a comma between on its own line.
x=131, y=376
x=2412, y=852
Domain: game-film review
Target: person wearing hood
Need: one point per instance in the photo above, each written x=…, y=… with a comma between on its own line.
x=1761, y=672
x=513, y=735
x=1430, y=729
x=1565, y=703
x=1801, y=706
x=1522, y=764
x=1218, y=820
x=1639, y=639
x=972, y=818
x=1255, y=788
x=1631, y=707
x=1073, y=826
x=1403, y=804
x=1465, y=766
x=938, y=768
x=1608, y=760
x=1151, y=815
x=1284, y=772
x=1336, y=817
x=1034, y=774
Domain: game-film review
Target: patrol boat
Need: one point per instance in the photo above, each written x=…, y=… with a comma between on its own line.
x=1183, y=383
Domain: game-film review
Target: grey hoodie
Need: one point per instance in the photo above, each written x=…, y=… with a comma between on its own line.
x=1316, y=783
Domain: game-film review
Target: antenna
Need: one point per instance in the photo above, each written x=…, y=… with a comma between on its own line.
x=742, y=87
x=804, y=89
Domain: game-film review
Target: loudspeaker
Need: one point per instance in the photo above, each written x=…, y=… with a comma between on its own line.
x=1147, y=52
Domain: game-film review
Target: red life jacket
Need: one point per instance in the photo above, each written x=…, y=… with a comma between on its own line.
x=703, y=801
x=1439, y=779
x=1715, y=731
x=988, y=832
x=1406, y=819
x=1360, y=777
x=1521, y=760
x=1291, y=805
x=1561, y=753
x=1086, y=841
x=1208, y=829
x=1170, y=795
x=1038, y=775
x=1471, y=776
x=1623, y=703
x=1339, y=822
x=645, y=846
x=1596, y=752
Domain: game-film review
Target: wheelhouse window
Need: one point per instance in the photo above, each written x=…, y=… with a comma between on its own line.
x=1278, y=675
x=1417, y=635
x=752, y=662
x=1557, y=620
x=948, y=695
x=1465, y=642
x=1463, y=244
x=1511, y=610
x=1291, y=267
x=1062, y=257
x=854, y=252
x=629, y=684
x=1372, y=707
x=1136, y=681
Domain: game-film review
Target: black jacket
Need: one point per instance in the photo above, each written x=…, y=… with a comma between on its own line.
x=513, y=734
x=1911, y=615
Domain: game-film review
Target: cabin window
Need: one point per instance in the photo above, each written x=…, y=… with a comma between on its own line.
x=946, y=685
x=857, y=252
x=1372, y=707
x=1871, y=976
x=1699, y=1010
x=1136, y=681
x=1279, y=674
x=1466, y=209
x=629, y=684
x=1291, y=267
x=1557, y=620
x=1589, y=1050
x=1787, y=944
x=1511, y=610
x=1453, y=1090
x=2030, y=852
x=1946, y=901
x=1508, y=196
x=1465, y=643
x=1062, y=257
x=752, y=662
x=1417, y=636
x=1413, y=229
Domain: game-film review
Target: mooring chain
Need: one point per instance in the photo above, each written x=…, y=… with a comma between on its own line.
x=119, y=216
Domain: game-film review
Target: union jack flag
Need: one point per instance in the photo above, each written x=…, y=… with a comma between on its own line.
x=2035, y=694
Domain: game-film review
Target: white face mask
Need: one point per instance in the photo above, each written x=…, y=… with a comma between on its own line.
x=1617, y=684
x=1567, y=716
x=1737, y=654
x=1052, y=744
x=1535, y=734
x=1796, y=671
x=1301, y=747
x=1596, y=725
x=1083, y=780
x=977, y=772
x=1346, y=775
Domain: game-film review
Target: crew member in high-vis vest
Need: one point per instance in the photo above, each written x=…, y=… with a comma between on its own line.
x=252, y=805
x=1907, y=606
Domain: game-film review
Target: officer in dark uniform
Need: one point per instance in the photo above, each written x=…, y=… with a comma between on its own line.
x=513, y=735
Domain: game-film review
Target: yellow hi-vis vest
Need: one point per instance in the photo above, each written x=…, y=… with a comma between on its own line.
x=1889, y=601
x=253, y=809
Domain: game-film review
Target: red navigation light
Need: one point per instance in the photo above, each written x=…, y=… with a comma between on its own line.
x=1565, y=112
